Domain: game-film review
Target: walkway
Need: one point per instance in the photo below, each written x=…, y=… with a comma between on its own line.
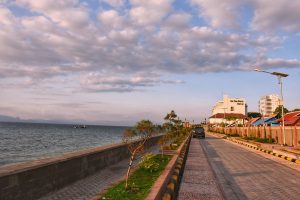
x=91, y=186
x=244, y=174
x=198, y=181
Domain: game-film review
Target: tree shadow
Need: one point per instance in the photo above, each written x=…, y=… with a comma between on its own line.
x=228, y=185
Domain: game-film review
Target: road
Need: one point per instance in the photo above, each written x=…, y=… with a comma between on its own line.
x=243, y=174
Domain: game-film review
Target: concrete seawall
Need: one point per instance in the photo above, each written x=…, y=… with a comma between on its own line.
x=31, y=180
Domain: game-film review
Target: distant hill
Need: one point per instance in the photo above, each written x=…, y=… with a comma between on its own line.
x=4, y=118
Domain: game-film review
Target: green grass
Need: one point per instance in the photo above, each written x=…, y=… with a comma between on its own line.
x=261, y=140
x=140, y=183
x=177, y=142
x=265, y=140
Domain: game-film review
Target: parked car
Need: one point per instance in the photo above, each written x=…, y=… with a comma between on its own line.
x=199, y=132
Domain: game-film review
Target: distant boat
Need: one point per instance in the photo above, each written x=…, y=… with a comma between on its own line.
x=79, y=126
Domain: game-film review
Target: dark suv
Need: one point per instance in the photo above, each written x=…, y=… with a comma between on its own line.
x=199, y=132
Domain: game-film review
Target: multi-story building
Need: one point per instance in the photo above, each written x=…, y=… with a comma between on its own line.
x=231, y=105
x=267, y=104
x=228, y=109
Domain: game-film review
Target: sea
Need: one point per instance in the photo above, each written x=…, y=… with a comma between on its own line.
x=21, y=142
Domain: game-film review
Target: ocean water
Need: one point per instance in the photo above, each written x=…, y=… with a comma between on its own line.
x=20, y=142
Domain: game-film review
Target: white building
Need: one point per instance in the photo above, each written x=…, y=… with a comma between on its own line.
x=230, y=105
x=229, y=110
x=267, y=104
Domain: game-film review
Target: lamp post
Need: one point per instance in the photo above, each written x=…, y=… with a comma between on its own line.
x=279, y=76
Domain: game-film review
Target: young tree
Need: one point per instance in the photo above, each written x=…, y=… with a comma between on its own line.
x=172, y=124
x=162, y=142
x=136, y=139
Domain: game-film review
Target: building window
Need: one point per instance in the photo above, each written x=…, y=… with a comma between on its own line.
x=231, y=108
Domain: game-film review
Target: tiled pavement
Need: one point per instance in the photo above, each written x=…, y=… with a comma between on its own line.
x=282, y=161
x=90, y=186
x=243, y=174
x=198, y=181
x=87, y=188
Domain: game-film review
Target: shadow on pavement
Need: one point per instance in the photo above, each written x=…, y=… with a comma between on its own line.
x=228, y=185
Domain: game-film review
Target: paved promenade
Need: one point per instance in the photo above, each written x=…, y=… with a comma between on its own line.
x=198, y=181
x=243, y=174
x=91, y=186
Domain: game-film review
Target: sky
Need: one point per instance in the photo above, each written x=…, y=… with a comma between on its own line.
x=116, y=62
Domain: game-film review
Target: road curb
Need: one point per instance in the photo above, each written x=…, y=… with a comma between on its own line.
x=264, y=150
x=174, y=182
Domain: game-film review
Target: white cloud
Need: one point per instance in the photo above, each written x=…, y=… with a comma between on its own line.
x=6, y=17
x=53, y=42
x=219, y=13
x=271, y=63
x=66, y=13
x=178, y=21
x=276, y=15
x=95, y=82
x=111, y=18
x=144, y=12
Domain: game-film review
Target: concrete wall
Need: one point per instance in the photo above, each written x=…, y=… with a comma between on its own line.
x=31, y=180
x=292, y=133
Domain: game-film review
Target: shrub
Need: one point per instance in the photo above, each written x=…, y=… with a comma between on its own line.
x=249, y=138
x=265, y=140
x=149, y=163
x=262, y=140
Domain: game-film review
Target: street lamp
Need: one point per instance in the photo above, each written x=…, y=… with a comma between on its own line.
x=279, y=76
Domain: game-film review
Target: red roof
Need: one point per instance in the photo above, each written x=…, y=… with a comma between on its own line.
x=291, y=119
x=228, y=115
x=251, y=121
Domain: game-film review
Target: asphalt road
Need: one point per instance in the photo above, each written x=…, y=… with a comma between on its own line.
x=243, y=174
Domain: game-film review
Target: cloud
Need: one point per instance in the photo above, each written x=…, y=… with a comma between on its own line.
x=144, y=12
x=276, y=15
x=98, y=83
x=66, y=13
x=6, y=16
x=111, y=19
x=219, y=13
x=114, y=3
x=178, y=21
x=268, y=15
x=271, y=63
x=66, y=39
